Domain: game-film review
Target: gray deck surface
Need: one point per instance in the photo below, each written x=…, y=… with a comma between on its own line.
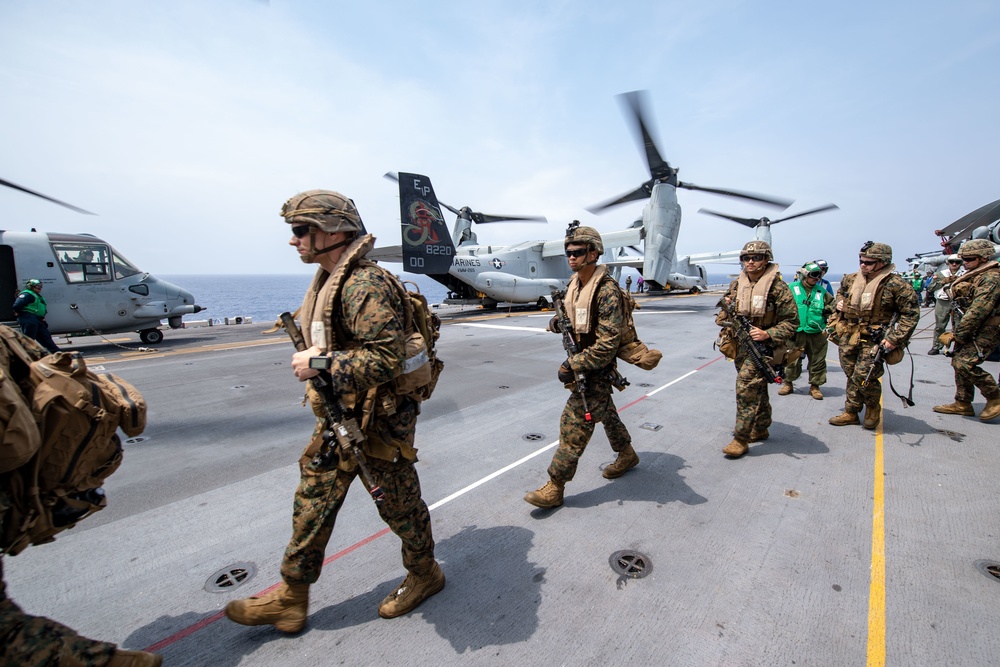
x=762, y=561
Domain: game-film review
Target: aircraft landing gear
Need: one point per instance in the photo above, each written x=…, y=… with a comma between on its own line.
x=695, y=290
x=151, y=336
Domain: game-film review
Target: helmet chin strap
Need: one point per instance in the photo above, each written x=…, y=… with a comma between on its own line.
x=310, y=256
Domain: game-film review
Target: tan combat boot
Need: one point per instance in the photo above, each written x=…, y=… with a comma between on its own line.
x=845, y=419
x=957, y=408
x=786, y=388
x=736, y=449
x=991, y=411
x=411, y=593
x=550, y=495
x=873, y=416
x=815, y=392
x=759, y=436
x=627, y=459
x=123, y=658
x=285, y=608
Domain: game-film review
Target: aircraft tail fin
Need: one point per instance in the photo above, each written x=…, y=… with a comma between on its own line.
x=427, y=245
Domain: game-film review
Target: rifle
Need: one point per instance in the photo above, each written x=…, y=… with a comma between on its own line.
x=569, y=344
x=879, y=352
x=342, y=427
x=958, y=304
x=758, y=352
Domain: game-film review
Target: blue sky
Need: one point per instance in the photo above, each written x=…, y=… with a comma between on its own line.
x=185, y=125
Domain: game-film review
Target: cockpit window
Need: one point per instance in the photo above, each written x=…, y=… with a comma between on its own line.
x=84, y=262
x=123, y=267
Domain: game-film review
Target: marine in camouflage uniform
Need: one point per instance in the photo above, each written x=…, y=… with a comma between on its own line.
x=35, y=640
x=353, y=320
x=769, y=304
x=866, y=303
x=595, y=307
x=977, y=294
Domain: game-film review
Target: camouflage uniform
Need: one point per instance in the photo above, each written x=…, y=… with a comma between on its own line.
x=370, y=312
x=978, y=327
x=34, y=640
x=753, y=406
x=597, y=359
x=894, y=295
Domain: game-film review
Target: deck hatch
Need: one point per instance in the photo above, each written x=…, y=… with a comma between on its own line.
x=532, y=437
x=230, y=577
x=631, y=564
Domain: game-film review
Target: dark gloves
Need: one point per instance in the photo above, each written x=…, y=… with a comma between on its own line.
x=554, y=325
x=566, y=374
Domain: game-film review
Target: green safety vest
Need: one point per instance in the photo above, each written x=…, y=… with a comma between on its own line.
x=36, y=307
x=810, y=305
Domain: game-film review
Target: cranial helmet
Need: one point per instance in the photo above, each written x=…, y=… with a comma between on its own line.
x=31, y=282
x=954, y=258
x=325, y=209
x=810, y=267
x=758, y=248
x=575, y=234
x=880, y=251
x=978, y=248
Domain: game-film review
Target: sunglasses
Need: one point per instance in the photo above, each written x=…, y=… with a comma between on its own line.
x=752, y=258
x=868, y=262
x=298, y=231
x=970, y=258
x=954, y=261
x=579, y=252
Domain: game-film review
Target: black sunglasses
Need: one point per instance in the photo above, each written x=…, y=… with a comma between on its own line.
x=969, y=258
x=752, y=258
x=868, y=262
x=298, y=231
x=579, y=252
x=954, y=261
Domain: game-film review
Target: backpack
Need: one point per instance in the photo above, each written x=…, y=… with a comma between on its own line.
x=423, y=328
x=53, y=473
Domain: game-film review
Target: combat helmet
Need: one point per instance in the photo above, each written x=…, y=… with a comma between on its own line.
x=757, y=247
x=978, y=248
x=325, y=209
x=880, y=251
x=575, y=234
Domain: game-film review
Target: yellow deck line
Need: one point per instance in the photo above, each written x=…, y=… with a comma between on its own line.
x=876, y=591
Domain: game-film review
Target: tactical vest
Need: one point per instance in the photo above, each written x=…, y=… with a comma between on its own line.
x=811, y=319
x=37, y=306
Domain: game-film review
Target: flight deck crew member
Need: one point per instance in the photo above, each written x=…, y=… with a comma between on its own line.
x=595, y=306
x=977, y=294
x=352, y=316
x=30, y=309
x=940, y=287
x=865, y=304
x=815, y=305
x=760, y=294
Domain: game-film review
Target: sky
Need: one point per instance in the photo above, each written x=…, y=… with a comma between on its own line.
x=185, y=125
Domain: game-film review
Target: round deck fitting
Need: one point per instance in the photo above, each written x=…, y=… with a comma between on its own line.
x=631, y=564
x=230, y=578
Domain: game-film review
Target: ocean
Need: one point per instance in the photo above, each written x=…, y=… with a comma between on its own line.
x=264, y=297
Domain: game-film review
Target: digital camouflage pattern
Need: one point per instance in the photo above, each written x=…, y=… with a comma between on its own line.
x=978, y=327
x=34, y=640
x=753, y=405
x=596, y=360
x=894, y=295
x=371, y=319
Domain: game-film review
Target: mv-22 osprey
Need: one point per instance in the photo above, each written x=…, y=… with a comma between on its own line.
x=89, y=286
x=526, y=272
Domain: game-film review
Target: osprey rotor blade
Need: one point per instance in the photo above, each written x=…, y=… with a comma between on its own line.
x=483, y=218
x=641, y=192
x=635, y=102
x=749, y=222
x=15, y=186
x=828, y=207
x=778, y=202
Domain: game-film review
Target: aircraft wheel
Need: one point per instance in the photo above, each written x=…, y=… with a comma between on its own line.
x=695, y=290
x=543, y=303
x=151, y=336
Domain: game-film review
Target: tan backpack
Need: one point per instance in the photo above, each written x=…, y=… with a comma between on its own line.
x=76, y=414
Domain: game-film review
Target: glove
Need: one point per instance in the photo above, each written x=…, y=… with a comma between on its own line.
x=566, y=374
x=946, y=338
x=554, y=325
